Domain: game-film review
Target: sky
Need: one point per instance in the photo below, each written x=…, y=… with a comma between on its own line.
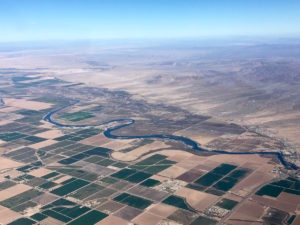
x=30, y=20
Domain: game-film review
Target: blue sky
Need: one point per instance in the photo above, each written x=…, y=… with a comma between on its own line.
x=25, y=20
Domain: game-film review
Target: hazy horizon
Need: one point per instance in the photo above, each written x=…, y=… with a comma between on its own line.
x=31, y=20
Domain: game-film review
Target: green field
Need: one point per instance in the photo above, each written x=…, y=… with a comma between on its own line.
x=227, y=204
x=34, y=139
x=270, y=190
x=122, y=174
x=20, y=208
x=48, y=185
x=87, y=191
x=59, y=203
x=156, y=169
x=225, y=184
x=72, y=212
x=223, y=169
x=284, y=183
x=208, y=179
x=11, y=136
x=77, y=116
x=176, y=201
x=138, y=177
x=57, y=216
x=69, y=187
x=289, y=185
x=150, y=183
x=22, y=221
x=6, y=184
x=50, y=175
x=20, y=198
x=133, y=201
x=197, y=187
x=223, y=178
x=90, y=218
x=38, y=216
x=239, y=173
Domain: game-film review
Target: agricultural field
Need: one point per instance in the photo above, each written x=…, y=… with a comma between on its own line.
x=67, y=170
x=77, y=116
